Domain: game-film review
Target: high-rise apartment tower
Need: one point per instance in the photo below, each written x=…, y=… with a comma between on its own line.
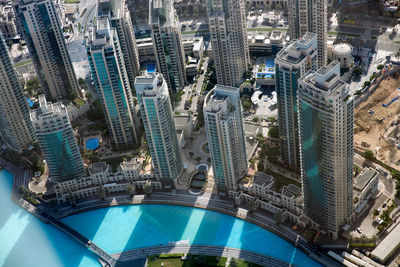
x=223, y=117
x=40, y=25
x=228, y=34
x=291, y=63
x=326, y=147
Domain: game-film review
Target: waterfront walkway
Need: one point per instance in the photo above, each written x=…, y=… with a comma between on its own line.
x=200, y=250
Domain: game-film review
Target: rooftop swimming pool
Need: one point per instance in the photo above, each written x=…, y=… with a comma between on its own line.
x=151, y=68
x=92, y=143
x=116, y=229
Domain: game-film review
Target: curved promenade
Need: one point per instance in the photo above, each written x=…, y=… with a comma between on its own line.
x=218, y=205
x=200, y=250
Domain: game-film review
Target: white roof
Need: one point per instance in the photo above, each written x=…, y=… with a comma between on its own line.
x=390, y=243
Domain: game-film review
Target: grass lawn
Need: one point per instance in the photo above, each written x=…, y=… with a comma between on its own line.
x=79, y=102
x=281, y=180
x=240, y=263
x=71, y=1
x=22, y=63
x=194, y=260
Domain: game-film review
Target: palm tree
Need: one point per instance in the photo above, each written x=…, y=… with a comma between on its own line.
x=147, y=188
x=131, y=189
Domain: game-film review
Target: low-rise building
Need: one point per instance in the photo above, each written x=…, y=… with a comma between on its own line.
x=100, y=176
x=7, y=22
x=265, y=43
x=260, y=186
x=365, y=185
x=342, y=52
x=184, y=127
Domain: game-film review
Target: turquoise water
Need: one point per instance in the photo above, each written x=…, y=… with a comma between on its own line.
x=27, y=241
x=92, y=143
x=123, y=228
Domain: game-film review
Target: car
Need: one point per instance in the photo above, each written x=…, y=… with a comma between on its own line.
x=384, y=205
x=359, y=231
x=379, y=210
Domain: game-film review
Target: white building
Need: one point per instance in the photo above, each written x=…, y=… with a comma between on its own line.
x=100, y=176
x=310, y=16
x=263, y=43
x=42, y=30
x=167, y=42
x=228, y=33
x=158, y=121
x=365, y=185
x=7, y=22
x=326, y=147
x=223, y=117
x=343, y=53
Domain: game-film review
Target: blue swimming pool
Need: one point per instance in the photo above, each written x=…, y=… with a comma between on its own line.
x=92, y=143
x=270, y=63
x=265, y=75
x=151, y=68
x=30, y=102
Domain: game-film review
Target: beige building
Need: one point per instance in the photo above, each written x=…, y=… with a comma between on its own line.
x=100, y=176
x=228, y=34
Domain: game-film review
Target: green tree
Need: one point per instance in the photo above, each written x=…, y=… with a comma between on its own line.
x=255, y=119
x=366, y=84
x=101, y=193
x=380, y=66
x=198, y=159
x=247, y=105
x=376, y=212
x=357, y=71
x=191, y=153
x=131, y=189
x=273, y=132
x=147, y=188
x=368, y=154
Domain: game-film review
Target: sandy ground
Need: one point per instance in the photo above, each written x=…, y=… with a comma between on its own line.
x=373, y=129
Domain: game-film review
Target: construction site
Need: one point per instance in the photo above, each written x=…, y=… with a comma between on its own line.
x=377, y=122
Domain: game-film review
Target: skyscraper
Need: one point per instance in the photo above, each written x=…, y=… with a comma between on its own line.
x=167, y=42
x=310, y=16
x=120, y=19
x=228, y=34
x=290, y=64
x=112, y=83
x=326, y=147
x=41, y=27
x=158, y=121
x=15, y=126
x=57, y=141
x=223, y=117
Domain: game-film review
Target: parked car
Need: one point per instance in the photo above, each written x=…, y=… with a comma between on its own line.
x=359, y=231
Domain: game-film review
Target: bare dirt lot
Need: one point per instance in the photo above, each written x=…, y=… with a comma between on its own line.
x=374, y=122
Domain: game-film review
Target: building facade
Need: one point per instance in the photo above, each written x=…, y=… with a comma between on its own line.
x=310, y=16
x=228, y=33
x=326, y=147
x=112, y=83
x=120, y=19
x=15, y=125
x=41, y=28
x=223, y=117
x=158, y=121
x=291, y=63
x=167, y=43
x=56, y=138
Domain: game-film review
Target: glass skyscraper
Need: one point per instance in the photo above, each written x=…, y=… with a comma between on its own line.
x=112, y=83
x=40, y=25
x=167, y=43
x=15, y=126
x=290, y=64
x=223, y=117
x=120, y=19
x=57, y=141
x=326, y=147
x=158, y=122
